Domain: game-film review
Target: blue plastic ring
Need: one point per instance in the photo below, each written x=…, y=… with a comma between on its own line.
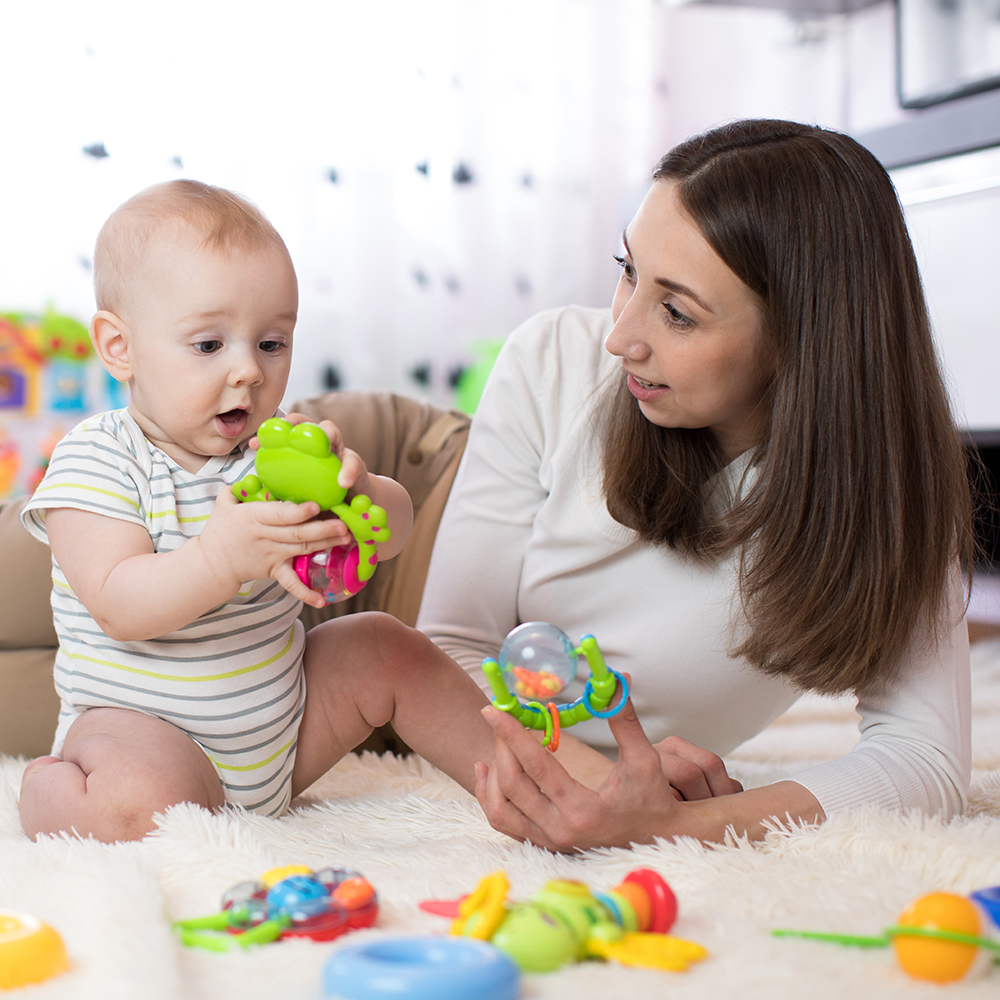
x=611, y=712
x=989, y=900
x=421, y=968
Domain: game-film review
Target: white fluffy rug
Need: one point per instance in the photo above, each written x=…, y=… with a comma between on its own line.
x=416, y=835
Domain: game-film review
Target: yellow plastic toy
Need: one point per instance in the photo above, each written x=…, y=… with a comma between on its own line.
x=30, y=951
x=566, y=922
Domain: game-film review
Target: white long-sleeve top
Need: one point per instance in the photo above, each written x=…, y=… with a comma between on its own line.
x=526, y=536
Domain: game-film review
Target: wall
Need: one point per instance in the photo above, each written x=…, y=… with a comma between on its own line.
x=533, y=124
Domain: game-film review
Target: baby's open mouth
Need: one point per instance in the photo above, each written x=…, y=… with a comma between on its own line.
x=232, y=423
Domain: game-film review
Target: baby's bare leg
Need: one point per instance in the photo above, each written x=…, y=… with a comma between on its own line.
x=118, y=767
x=365, y=670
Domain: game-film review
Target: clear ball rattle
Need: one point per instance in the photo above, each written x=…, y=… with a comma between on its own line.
x=332, y=573
x=537, y=661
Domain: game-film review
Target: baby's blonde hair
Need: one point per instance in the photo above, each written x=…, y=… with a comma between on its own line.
x=227, y=220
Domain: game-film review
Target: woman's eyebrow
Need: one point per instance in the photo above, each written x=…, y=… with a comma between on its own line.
x=671, y=286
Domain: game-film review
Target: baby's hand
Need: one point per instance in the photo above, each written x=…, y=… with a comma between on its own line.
x=248, y=541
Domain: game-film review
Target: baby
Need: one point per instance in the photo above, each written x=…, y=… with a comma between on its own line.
x=183, y=670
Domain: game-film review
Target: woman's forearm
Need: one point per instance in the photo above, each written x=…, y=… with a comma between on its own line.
x=747, y=813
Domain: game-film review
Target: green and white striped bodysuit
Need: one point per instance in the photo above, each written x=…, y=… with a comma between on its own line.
x=233, y=679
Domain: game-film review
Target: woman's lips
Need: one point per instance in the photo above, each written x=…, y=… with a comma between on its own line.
x=645, y=391
x=232, y=423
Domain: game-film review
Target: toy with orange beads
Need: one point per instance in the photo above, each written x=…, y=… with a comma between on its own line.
x=536, y=662
x=293, y=901
x=941, y=937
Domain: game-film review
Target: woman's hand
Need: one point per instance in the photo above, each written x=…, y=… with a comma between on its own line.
x=694, y=773
x=529, y=795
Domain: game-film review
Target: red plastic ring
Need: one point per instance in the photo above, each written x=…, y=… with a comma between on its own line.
x=663, y=902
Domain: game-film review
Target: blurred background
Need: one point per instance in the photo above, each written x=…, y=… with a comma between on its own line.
x=442, y=169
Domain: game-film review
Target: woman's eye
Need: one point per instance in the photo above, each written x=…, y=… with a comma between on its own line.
x=676, y=318
x=627, y=269
x=207, y=346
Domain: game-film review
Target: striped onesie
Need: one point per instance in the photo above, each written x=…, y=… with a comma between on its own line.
x=233, y=679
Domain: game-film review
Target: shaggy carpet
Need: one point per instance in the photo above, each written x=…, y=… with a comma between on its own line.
x=416, y=835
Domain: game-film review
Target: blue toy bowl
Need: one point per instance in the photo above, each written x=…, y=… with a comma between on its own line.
x=420, y=968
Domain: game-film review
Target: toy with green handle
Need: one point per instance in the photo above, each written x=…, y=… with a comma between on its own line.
x=537, y=661
x=296, y=463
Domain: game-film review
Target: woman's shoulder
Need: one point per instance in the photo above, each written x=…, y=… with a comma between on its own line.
x=565, y=321
x=562, y=341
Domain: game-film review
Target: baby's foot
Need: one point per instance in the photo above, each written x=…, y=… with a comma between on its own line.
x=293, y=463
x=34, y=766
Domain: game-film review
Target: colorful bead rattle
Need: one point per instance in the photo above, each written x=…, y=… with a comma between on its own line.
x=537, y=661
x=941, y=937
x=566, y=922
x=296, y=463
x=285, y=902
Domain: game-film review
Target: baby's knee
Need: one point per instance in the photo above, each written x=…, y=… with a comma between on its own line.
x=371, y=642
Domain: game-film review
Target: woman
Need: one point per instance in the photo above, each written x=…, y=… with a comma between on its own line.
x=746, y=483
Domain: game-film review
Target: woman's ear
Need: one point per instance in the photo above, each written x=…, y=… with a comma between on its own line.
x=110, y=336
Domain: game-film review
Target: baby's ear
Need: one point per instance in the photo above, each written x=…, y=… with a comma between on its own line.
x=110, y=337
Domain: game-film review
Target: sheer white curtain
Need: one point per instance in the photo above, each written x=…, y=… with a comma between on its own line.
x=440, y=169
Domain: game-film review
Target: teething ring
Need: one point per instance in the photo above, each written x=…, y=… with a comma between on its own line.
x=553, y=744
x=30, y=951
x=537, y=706
x=611, y=712
x=421, y=968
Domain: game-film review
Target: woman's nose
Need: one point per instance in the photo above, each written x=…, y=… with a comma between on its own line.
x=625, y=339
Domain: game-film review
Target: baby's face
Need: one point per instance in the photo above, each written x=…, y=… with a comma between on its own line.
x=210, y=345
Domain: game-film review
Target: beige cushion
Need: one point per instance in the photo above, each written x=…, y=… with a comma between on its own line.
x=29, y=706
x=25, y=583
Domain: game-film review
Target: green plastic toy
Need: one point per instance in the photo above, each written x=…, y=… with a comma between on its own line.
x=295, y=463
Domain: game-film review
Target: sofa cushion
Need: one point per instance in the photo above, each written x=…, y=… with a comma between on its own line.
x=25, y=583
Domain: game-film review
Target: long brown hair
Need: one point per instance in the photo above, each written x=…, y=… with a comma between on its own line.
x=861, y=501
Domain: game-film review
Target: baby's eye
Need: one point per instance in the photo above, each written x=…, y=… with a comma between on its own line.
x=627, y=269
x=271, y=346
x=207, y=346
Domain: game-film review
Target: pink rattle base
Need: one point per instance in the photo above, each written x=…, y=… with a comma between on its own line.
x=332, y=573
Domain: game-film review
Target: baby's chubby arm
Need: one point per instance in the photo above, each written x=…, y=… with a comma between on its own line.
x=134, y=593
x=381, y=490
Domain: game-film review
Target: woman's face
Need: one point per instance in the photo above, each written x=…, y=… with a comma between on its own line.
x=687, y=329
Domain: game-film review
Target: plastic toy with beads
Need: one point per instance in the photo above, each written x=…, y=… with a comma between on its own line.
x=285, y=902
x=941, y=937
x=536, y=662
x=296, y=463
x=566, y=922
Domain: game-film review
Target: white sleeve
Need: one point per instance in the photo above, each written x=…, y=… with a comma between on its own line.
x=916, y=747
x=470, y=598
